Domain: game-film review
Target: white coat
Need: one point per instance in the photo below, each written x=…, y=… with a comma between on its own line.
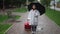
x=33, y=17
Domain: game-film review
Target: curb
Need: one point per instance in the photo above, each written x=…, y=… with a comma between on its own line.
x=57, y=25
x=8, y=29
x=54, y=22
x=57, y=9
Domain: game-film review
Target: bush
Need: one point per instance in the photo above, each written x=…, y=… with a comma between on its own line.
x=45, y=2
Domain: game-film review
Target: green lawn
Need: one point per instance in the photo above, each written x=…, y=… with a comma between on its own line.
x=54, y=15
x=22, y=10
x=2, y=18
x=4, y=27
x=5, y=17
x=17, y=17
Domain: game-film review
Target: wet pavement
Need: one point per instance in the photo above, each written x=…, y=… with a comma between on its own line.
x=45, y=26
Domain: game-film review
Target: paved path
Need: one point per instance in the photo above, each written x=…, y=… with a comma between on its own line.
x=52, y=7
x=49, y=27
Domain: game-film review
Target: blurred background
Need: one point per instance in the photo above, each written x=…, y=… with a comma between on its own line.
x=11, y=11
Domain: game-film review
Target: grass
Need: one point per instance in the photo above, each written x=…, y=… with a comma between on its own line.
x=17, y=17
x=54, y=15
x=5, y=17
x=22, y=10
x=2, y=18
x=4, y=27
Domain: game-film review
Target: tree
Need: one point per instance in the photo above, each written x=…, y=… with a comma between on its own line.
x=11, y=3
x=1, y=4
x=31, y=0
x=45, y=2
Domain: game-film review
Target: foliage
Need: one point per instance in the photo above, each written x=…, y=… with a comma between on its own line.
x=31, y=0
x=45, y=2
x=21, y=10
x=3, y=17
x=11, y=3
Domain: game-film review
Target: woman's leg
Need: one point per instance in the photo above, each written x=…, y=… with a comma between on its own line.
x=34, y=27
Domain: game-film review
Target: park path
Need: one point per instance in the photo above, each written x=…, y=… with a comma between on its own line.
x=49, y=27
x=52, y=7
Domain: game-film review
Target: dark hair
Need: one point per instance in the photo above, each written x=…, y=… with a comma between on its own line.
x=30, y=6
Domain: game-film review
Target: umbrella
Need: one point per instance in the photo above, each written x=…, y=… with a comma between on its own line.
x=39, y=7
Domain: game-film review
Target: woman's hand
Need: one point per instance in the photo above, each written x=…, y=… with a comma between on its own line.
x=28, y=19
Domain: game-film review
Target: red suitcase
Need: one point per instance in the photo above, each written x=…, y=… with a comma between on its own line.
x=27, y=26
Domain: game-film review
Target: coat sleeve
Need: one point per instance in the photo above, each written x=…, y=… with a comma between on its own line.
x=29, y=19
x=37, y=13
x=29, y=16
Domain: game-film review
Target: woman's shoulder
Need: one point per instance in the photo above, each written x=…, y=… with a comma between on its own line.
x=31, y=10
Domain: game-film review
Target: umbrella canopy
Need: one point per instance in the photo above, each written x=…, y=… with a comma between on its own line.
x=39, y=7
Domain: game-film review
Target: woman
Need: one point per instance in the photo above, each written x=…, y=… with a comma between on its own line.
x=33, y=18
